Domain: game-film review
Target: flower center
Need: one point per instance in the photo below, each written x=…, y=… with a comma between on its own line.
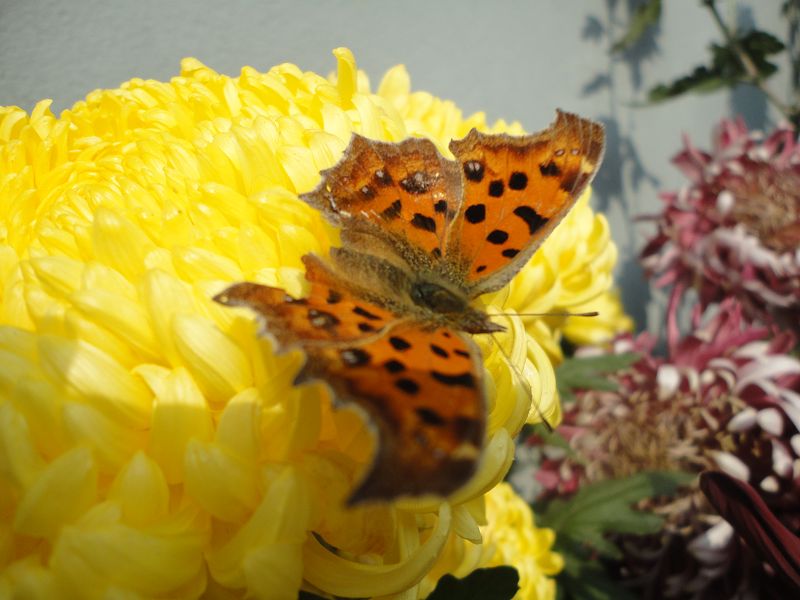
x=767, y=204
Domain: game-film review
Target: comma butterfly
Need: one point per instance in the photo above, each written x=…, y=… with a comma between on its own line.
x=386, y=320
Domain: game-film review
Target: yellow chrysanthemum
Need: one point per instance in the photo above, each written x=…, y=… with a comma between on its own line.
x=509, y=537
x=150, y=444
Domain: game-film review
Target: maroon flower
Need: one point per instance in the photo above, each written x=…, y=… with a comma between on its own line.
x=726, y=398
x=735, y=229
x=743, y=507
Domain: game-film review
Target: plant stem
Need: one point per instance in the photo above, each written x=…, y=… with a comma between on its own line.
x=753, y=77
x=791, y=11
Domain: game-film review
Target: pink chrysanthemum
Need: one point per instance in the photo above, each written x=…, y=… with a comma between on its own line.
x=727, y=397
x=735, y=229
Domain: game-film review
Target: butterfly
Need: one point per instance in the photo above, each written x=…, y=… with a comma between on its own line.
x=387, y=321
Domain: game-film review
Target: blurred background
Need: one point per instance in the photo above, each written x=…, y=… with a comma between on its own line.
x=516, y=60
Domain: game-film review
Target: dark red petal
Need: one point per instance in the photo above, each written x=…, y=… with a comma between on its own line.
x=740, y=505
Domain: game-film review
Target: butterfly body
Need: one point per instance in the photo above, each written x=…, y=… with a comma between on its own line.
x=386, y=320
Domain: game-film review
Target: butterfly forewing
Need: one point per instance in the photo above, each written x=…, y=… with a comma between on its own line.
x=423, y=390
x=407, y=190
x=516, y=190
x=330, y=314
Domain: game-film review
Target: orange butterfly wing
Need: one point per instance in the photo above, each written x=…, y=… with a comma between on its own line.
x=422, y=388
x=407, y=190
x=424, y=392
x=330, y=314
x=516, y=190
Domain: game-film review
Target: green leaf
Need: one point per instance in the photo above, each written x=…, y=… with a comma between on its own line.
x=726, y=69
x=605, y=507
x=701, y=80
x=644, y=16
x=589, y=373
x=583, y=579
x=498, y=583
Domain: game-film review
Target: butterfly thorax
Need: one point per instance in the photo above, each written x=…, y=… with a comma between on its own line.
x=443, y=307
x=412, y=287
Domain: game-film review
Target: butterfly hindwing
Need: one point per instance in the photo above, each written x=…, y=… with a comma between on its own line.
x=516, y=190
x=423, y=391
x=422, y=388
x=406, y=190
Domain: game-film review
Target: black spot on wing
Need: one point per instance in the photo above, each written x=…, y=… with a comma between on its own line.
x=498, y=236
x=496, y=188
x=394, y=366
x=322, y=319
x=462, y=379
x=430, y=416
x=334, y=297
x=418, y=182
x=393, y=210
x=440, y=207
x=549, y=169
x=439, y=351
x=533, y=219
x=382, y=176
x=399, y=343
x=420, y=221
x=475, y=213
x=510, y=252
x=473, y=170
x=409, y=386
x=363, y=312
x=518, y=181
x=355, y=357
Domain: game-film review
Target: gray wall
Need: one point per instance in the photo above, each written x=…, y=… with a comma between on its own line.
x=514, y=59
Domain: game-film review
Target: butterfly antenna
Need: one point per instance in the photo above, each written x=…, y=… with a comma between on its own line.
x=524, y=381
x=592, y=313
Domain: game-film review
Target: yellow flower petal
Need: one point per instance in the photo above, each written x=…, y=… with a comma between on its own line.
x=347, y=578
x=18, y=456
x=141, y=491
x=202, y=345
x=180, y=414
x=96, y=377
x=279, y=523
x=61, y=492
x=223, y=485
x=112, y=442
x=99, y=552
